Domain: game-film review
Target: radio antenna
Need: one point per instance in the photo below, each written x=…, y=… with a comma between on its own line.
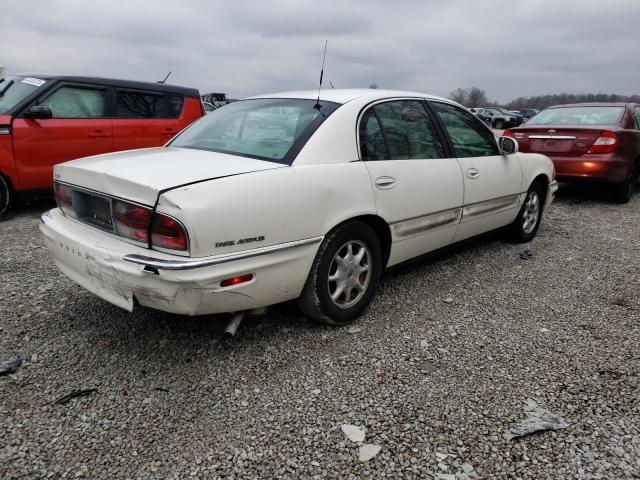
x=317, y=105
x=165, y=78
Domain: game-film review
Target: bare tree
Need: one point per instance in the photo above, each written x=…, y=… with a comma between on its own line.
x=459, y=95
x=476, y=97
x=374, y=86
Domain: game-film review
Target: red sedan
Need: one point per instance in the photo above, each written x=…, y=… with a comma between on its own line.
x=588, y=141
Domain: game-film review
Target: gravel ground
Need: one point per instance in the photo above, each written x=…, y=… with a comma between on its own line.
x=441, y=363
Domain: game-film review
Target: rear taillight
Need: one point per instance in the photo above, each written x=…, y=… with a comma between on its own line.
x=607, y=142
x=131, y=221
x=168, y=233
x=507, y=133
x=62, y=194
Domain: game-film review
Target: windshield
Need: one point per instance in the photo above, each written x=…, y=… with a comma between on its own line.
x=15, y=89
x=578, y=116
x=267, y=129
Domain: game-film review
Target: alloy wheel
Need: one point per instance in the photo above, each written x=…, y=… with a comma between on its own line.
x=349, y=274
x=531, y=212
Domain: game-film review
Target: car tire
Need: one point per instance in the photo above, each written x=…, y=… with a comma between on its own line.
x=5, y=195
x=622, y=192
x=525, y=227
x=498, y=125
x=344, y=276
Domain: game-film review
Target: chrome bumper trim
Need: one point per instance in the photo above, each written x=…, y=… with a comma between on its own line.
x=164, y=264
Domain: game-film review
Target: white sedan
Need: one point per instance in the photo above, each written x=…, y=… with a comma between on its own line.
x=284, y=197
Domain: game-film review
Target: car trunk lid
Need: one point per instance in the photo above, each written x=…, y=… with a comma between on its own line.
x=141, y=175
x=558, y=140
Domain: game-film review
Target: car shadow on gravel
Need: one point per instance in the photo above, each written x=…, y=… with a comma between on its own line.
x=28, y=208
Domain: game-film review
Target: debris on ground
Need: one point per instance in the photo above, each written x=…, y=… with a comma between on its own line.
x=538, y=420
x=353, y=433
x=9, y=366
x=526, y=254
x=76, y=393
x=368, y=451
x=354, y=330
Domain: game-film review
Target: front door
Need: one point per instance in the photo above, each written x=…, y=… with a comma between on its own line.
x=78, y=129
x=417, y=189
x=492, y=181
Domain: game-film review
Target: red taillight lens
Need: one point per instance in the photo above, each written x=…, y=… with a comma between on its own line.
x=167, y=233
x=236, y=280
x=132, y=221
x=62, y=194
x=507, y=133
x=607, y=142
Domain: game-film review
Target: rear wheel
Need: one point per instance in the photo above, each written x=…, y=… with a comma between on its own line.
x=344, y=276
x=499, y=125
x=525, y=226
x=5, y=195
x=622, y=192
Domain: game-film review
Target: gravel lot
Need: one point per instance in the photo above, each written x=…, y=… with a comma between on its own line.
x=442, y=362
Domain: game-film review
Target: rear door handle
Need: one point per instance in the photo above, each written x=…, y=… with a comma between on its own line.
x=384, y=183
x=473, y=173
x=98, y=134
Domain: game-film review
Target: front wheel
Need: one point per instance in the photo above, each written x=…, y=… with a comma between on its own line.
x=5, y=195
x=526, y=224
x=623, y=192
x=499, y=125
x=344, y=276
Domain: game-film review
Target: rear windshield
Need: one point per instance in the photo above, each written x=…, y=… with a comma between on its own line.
x=267, y=129
x=15, y=89
x=578, y=116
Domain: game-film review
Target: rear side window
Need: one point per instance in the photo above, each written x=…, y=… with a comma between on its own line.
x=76, y=102
x=637, y=117
x=399, y=130
x=147, y=105
x=469, y=136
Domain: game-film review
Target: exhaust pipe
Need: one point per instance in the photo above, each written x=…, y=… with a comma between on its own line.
x=233, y=324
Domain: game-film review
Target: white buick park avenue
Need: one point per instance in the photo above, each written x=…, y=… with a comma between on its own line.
x=288, y=196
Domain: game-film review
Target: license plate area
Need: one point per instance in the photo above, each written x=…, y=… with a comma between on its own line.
x=92, y=209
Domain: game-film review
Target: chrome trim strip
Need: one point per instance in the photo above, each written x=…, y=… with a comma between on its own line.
x=480, y=208
x=163, y=264
x=412, y=226
x=551, y=137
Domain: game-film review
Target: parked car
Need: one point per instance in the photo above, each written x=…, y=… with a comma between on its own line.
x=499, y=118
x=45, y=120
x=208, y=107
x=487, y=119
x=528, y=112
x=588, y=141
x=283, y=196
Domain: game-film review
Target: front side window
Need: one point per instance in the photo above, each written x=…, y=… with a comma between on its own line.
x=469, y=136
x=147, y=105
x=578, y=116
x=76, y=102
x=399, y=130
x=267, y=129
x=14, y=90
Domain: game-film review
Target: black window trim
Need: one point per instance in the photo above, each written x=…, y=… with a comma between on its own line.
x=440, y=131
x=446, y=133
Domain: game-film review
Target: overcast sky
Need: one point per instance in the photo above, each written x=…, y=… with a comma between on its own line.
x=509, y=48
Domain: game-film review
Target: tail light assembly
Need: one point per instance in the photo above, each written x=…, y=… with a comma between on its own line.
x=62, y=195
x=607, y=142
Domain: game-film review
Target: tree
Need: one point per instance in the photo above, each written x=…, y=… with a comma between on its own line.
x=476, y=97
x=459, y=95
x=373, y=86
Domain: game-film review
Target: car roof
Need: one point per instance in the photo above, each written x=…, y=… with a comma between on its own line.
x=134, y=85
x=344, y=95
x=594, y=104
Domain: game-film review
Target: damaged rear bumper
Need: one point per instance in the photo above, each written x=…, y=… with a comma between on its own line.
x=124, y=274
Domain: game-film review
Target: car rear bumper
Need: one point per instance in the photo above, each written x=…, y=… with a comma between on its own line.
x=124, y=275
x=602, y=168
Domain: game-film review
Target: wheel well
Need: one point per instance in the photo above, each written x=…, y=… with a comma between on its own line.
x=382, y=230
x=543, y=180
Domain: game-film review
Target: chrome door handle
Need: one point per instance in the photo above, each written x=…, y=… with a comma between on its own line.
x=473, y=173
x=384, y=183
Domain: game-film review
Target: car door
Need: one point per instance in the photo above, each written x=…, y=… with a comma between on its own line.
x=492, y=181
x=417, y=184
x=79, y=128
x=145, y=118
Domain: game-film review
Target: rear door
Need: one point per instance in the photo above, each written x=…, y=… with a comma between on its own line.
x=79, y=128
x=145, y=118
x=492, y=181
x=417, y=184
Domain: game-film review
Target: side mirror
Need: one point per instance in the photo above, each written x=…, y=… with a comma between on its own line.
x=39, y=111
x=508, y=145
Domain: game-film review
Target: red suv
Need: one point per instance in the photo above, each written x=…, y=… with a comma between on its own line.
x=588, y=141
x=45, y=120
